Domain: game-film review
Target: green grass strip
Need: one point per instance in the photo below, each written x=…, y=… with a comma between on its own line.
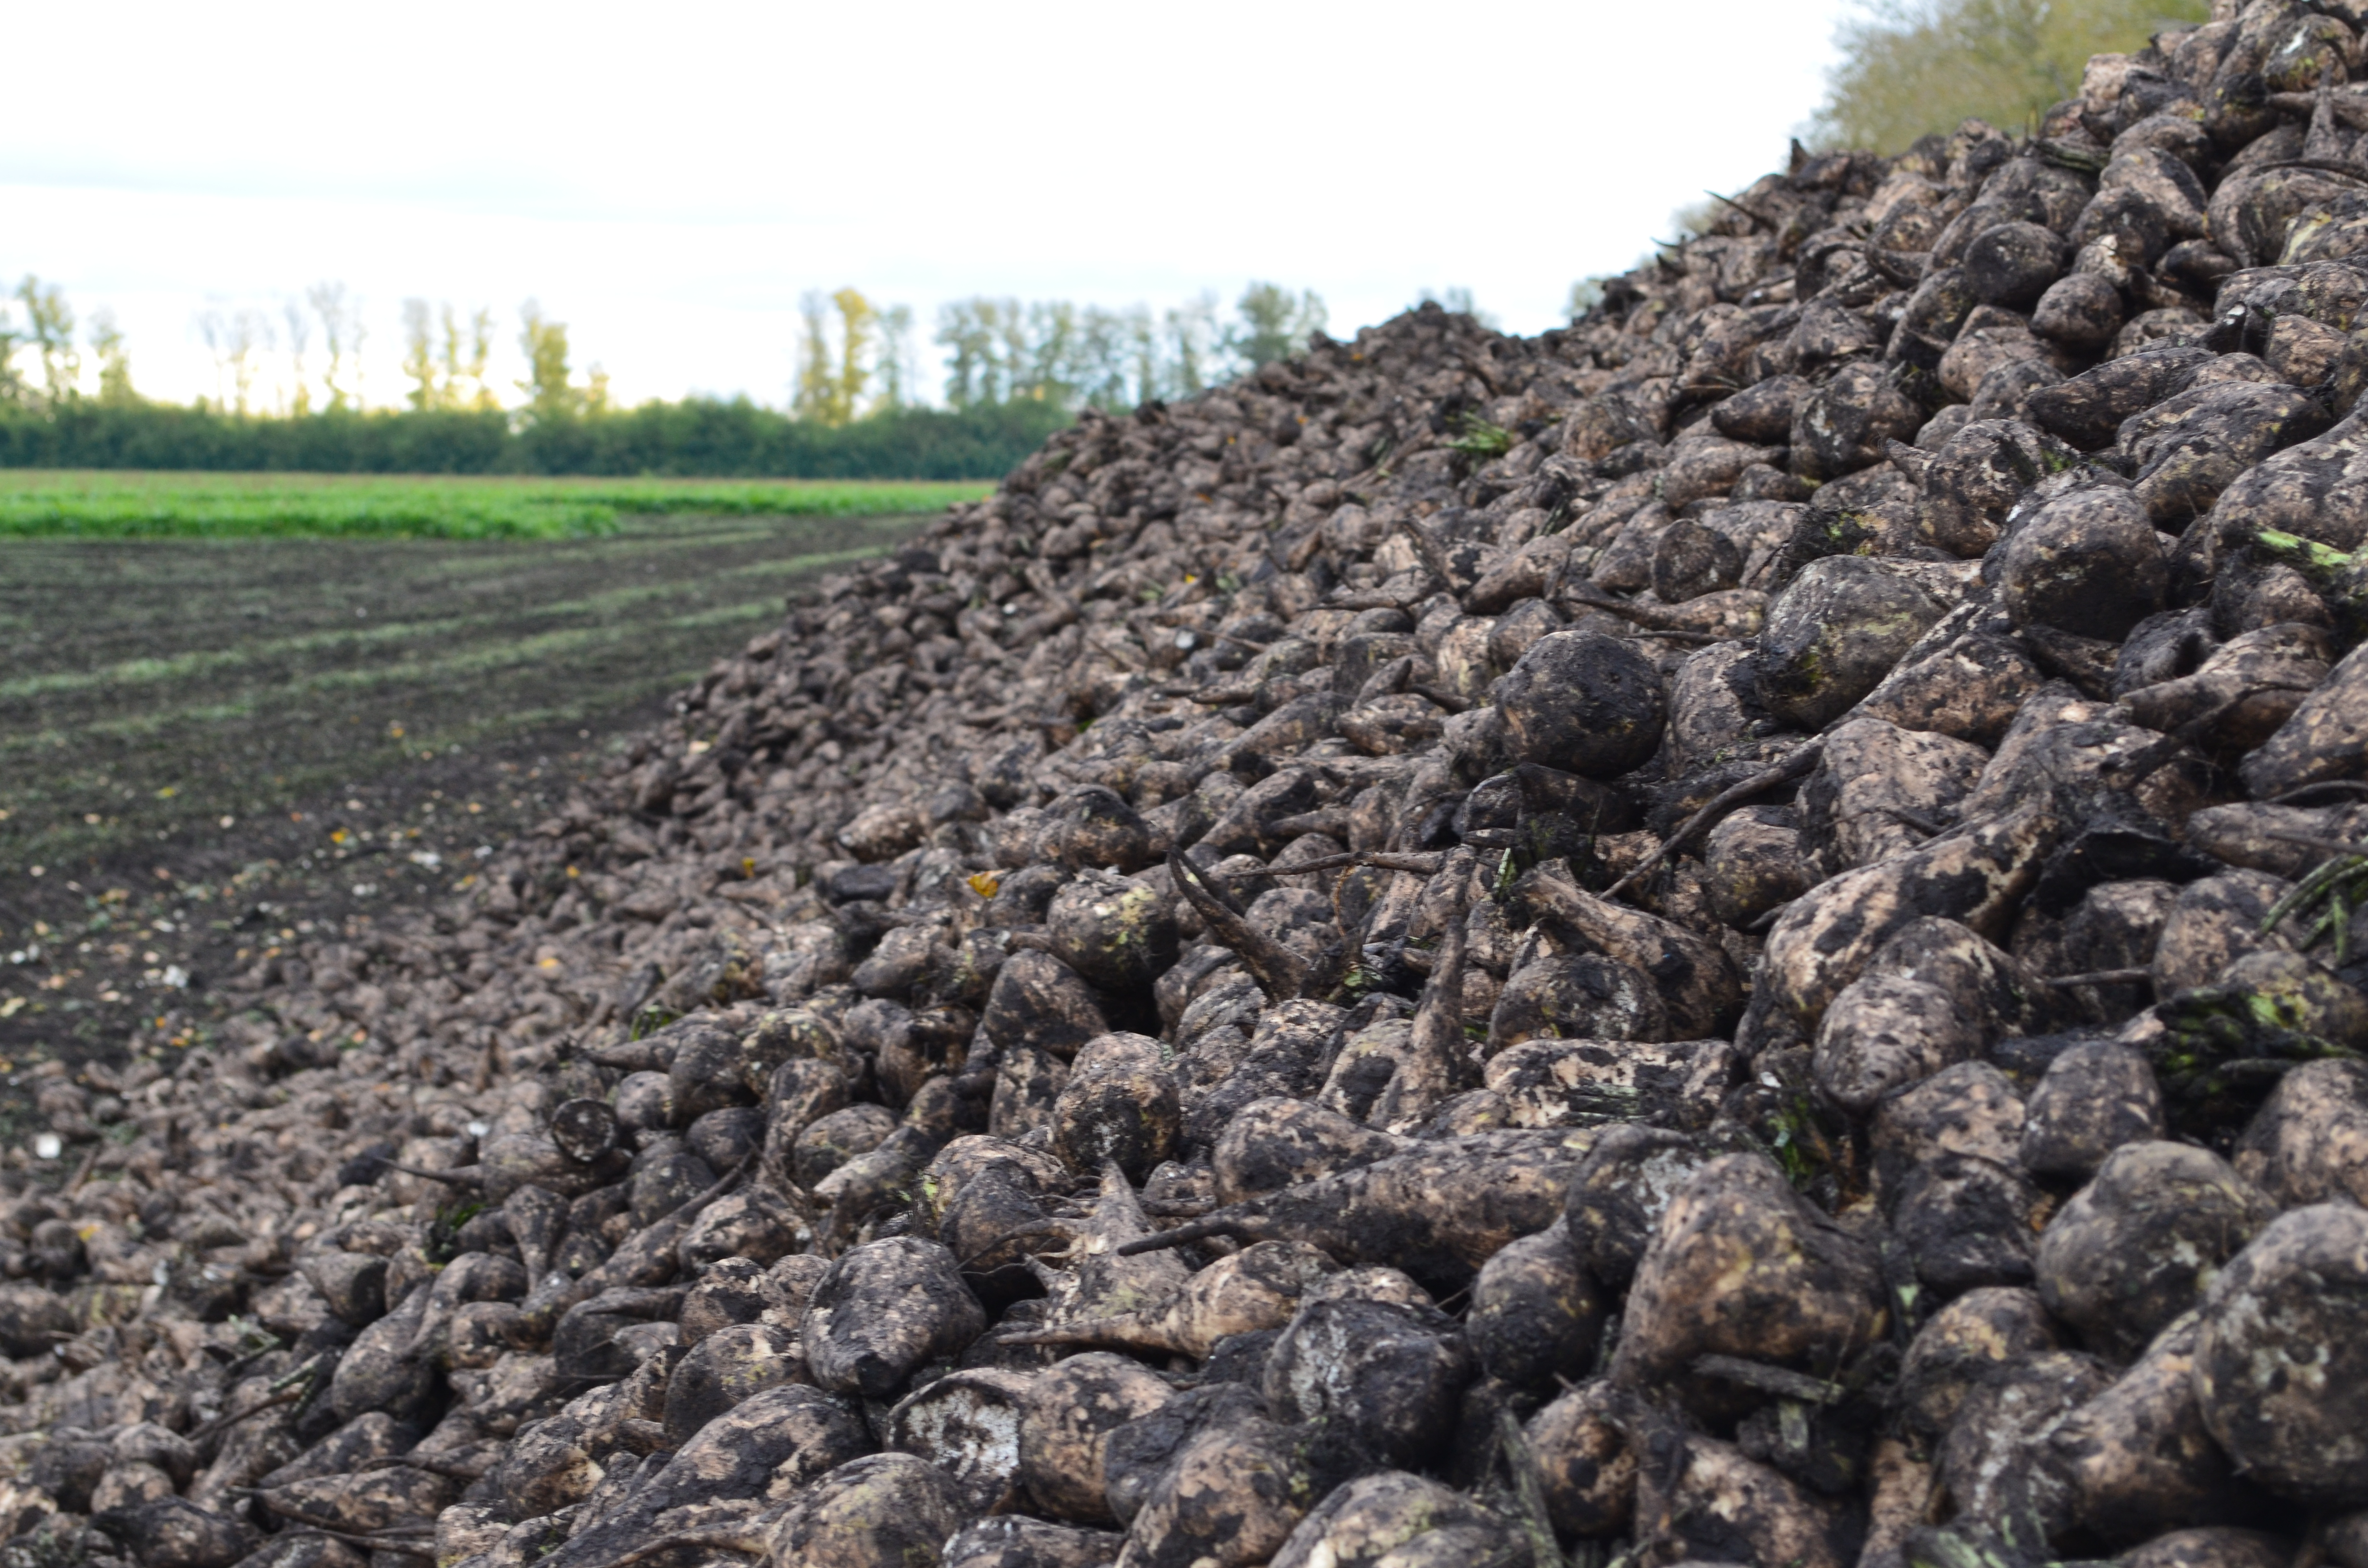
x=105, y=504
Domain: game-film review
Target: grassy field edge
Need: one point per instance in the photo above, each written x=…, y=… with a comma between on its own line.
x=98, y=504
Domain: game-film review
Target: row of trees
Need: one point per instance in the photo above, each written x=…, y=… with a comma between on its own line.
x=714, y=436
x=1016, y=374
x=241, y=339
x=446, y=357
x=1054, y=351
x=289, y=389
x=855, y=359
x=38, y=325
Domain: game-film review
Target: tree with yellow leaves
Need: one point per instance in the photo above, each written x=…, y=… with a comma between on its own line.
x=892, y=365
x=812, y=397
x=857, y=325
x=48, y=331
x=419, y=358
x=832, y=378
x=551, y=396
x=445, y=358
x=1911, y=68
x=466, y=350
x=342, y=333
x=114, y=360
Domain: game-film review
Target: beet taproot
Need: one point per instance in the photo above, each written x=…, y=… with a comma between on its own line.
x=2279, y=1353
x=1739, y=1266
x=884, y=1308
x=2143, y=1241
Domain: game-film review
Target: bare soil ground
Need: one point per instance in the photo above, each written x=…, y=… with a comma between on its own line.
x=209, y=747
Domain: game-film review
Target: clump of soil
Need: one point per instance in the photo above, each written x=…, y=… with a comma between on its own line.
x=1726, y=935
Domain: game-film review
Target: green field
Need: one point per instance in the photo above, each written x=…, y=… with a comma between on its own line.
x=93, y=503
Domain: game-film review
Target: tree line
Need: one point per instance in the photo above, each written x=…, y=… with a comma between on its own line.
x=289, y=391
x=856, y=358
x=696, y=436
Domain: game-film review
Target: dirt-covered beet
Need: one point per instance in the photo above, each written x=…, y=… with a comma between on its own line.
x=1837, y=630
x=883, y=1310
x=1582, y=702
x=1070, y=1411
x=2279, y=1357
x=1741, y=1266
x=2090, y=564
x=2140, y=1243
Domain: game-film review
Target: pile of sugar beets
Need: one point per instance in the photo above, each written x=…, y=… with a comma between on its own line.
x=1733, y=934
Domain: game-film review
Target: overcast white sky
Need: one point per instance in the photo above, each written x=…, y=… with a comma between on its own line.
x=668, y=180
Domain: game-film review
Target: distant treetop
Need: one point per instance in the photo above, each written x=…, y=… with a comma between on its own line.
x=1913, y=67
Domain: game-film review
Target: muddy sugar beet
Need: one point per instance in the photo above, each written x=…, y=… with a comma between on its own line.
x=1724, y=935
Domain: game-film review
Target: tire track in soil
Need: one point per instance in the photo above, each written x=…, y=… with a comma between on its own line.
x=212, y=748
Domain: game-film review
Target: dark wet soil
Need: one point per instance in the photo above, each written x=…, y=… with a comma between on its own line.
x=211, y=749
